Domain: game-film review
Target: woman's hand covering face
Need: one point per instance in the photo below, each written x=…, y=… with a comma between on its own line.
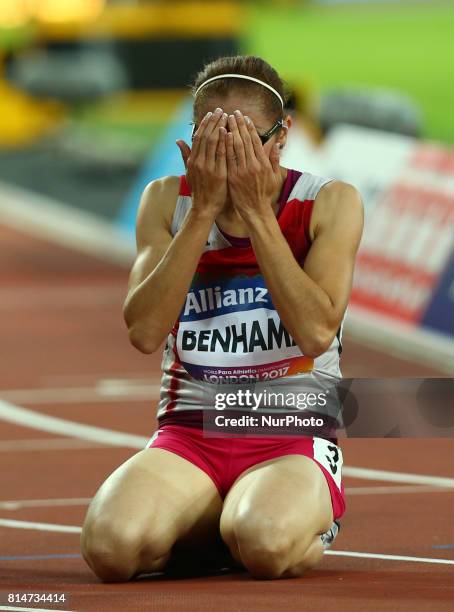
x=205, y=163
x=253, y=175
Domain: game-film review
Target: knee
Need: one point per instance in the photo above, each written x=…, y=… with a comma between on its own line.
x=113, y=551
x=311, y=558
x=264, y=544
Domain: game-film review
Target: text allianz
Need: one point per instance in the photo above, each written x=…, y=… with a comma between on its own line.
x=243, y=337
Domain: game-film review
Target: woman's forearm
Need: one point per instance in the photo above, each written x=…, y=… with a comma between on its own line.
x=304, y=308
x=153, y=307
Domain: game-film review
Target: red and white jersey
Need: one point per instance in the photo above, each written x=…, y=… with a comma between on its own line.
x=228, y=329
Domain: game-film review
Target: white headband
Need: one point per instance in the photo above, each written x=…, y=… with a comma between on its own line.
x=241, y=76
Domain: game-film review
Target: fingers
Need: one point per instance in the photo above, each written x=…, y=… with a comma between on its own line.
x=212, y=142
x=209, y=131
x=237, y=142
x=244, y=124
x=232, y=167
x=221, y=153
x=197, y=138
x=256, y=142
x=185, y=151
x=274, y=158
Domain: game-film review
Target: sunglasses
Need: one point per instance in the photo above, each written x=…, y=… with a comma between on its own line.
x=263, y=137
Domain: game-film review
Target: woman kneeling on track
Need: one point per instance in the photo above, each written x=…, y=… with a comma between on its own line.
x=245, y=267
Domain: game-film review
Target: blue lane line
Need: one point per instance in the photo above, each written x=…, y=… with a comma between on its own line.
x=443, y=546
x=40, y=557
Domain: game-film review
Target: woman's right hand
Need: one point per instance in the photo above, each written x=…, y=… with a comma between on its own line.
x=205, y=163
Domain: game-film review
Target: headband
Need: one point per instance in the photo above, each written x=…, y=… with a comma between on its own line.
x=241, y=76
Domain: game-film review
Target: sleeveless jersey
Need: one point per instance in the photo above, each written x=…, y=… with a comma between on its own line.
x=228, y=329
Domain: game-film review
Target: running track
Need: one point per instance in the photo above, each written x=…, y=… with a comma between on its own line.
x=65, y=354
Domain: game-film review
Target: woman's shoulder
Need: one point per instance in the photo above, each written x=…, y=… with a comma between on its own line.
x=160, y=197
x=157, y=205
x=305, y=185
x=338, y=202
x=164, y=189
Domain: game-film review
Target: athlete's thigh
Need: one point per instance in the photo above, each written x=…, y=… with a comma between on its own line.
x=158, y=491
x=288, y=493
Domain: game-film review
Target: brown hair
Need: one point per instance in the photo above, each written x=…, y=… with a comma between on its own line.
x=248, y=65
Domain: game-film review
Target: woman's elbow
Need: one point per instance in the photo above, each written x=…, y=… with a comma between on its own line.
x=143, y=342
x=316, y=344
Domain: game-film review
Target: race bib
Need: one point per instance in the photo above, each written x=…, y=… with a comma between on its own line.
x=231, y=332
x=330, y=456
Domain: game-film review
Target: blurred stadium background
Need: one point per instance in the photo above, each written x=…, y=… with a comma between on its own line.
x=93, y=94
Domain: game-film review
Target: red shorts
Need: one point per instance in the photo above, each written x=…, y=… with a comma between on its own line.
x=224, y=459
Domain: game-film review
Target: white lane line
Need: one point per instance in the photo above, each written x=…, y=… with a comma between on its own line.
x=366, y=555
x=422, y=479
x=338, y=553
x=44, y=422
x=396, y=489
x=33, y=609
x=35, y=420
x=111, y=392
x=47, y=444
x=65, y=225
x=16, y=504
x=125, y=387
x=13, y=524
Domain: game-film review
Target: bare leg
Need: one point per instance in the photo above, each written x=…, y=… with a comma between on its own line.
x=273, y=516
x=153, y=501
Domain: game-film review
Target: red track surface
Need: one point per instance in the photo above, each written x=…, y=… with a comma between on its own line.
x=61, y=327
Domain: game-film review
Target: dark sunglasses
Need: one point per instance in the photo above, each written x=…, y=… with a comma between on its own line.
x=263, y=137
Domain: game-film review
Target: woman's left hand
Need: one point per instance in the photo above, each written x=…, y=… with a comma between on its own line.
x=253, y=176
